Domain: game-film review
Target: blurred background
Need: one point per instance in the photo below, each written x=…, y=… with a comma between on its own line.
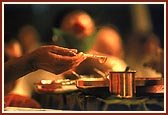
x=126, y=17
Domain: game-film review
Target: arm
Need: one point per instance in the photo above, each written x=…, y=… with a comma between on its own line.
x=50, y=58
x=15, y=68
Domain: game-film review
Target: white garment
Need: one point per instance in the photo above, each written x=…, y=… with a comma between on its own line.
x=25, y=85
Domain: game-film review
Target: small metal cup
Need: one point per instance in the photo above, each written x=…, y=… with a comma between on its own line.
x=122, y=84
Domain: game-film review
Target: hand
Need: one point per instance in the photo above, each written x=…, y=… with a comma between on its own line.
x=54, y=59
x=88, y=66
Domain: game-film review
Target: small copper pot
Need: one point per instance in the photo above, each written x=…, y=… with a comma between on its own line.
x=122, y=84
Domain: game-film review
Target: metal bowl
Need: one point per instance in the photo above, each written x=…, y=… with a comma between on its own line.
x=47, y=85
x=89, y=82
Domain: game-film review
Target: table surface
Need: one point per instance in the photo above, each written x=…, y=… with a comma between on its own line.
x=99, y=99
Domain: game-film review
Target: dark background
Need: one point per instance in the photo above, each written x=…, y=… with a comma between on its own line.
x=43, y=16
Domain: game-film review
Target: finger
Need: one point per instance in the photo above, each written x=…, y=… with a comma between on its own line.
x=63, y=58
x=63, y=51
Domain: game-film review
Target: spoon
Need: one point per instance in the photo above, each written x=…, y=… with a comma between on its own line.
x=127, y=69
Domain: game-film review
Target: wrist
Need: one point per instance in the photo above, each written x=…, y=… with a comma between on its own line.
x=16, y=68
x=30, y=63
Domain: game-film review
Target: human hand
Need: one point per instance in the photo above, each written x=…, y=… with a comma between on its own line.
x=54, y=59
x=89, y=64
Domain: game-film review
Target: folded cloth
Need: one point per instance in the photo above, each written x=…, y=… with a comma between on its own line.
x=15, y=100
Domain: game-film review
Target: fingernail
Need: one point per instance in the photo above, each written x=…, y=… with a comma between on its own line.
x=74, y=50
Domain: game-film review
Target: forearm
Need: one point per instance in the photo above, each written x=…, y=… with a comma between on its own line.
x=16, y=68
